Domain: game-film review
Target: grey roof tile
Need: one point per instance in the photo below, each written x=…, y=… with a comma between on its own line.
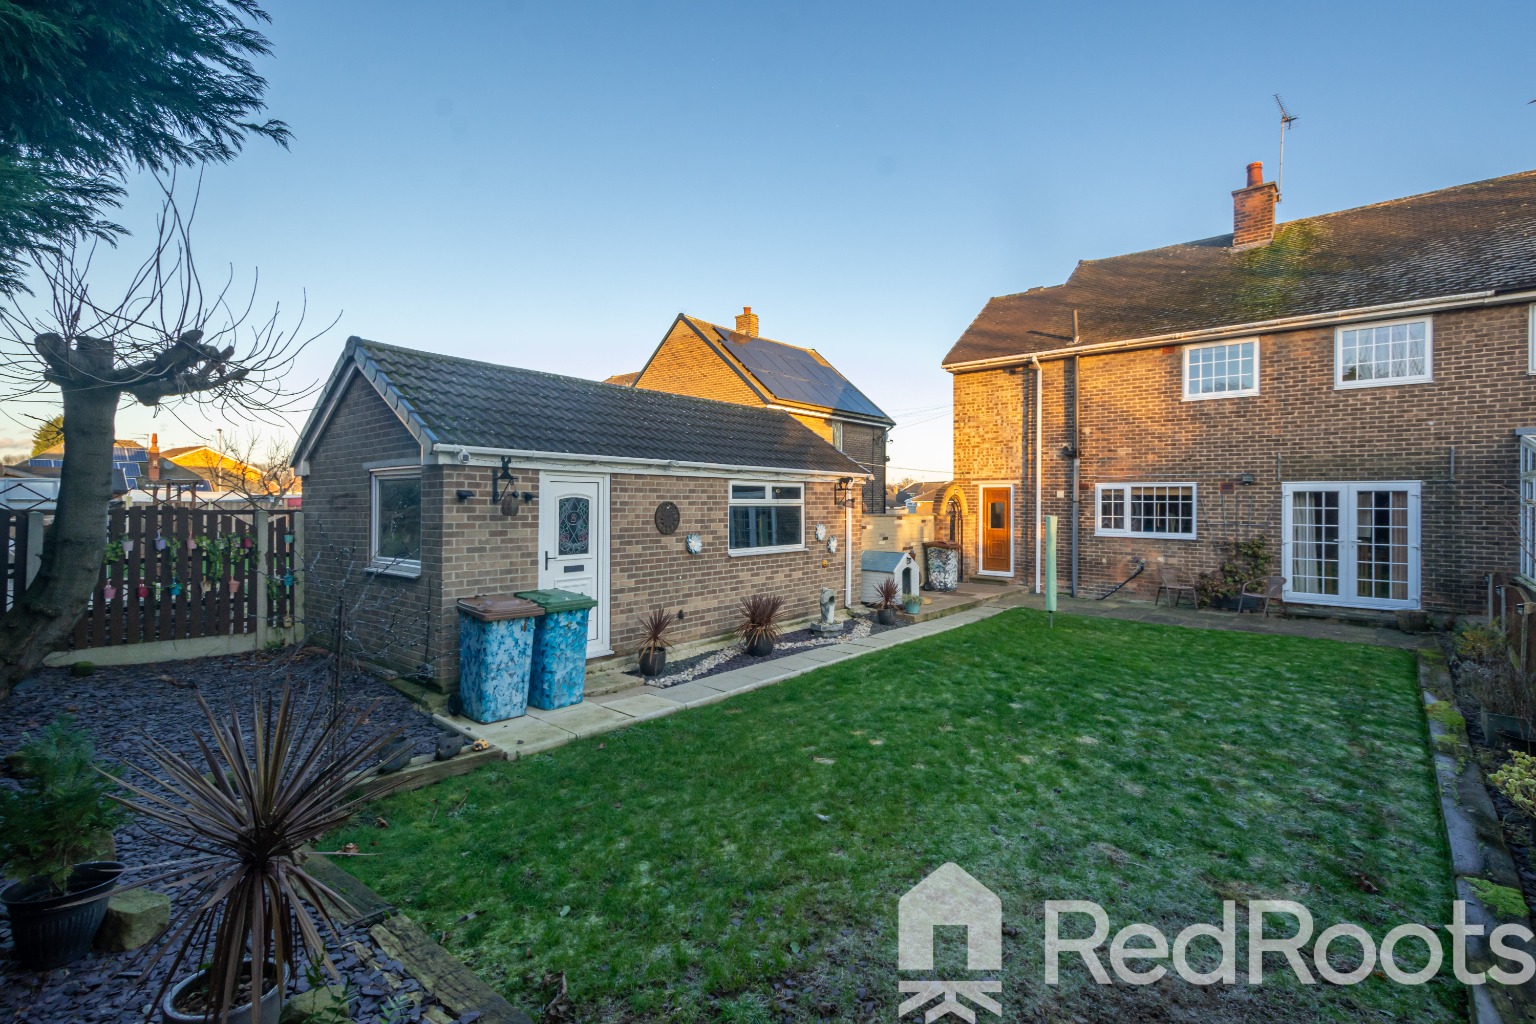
x=1469, y=238
x=458, y=401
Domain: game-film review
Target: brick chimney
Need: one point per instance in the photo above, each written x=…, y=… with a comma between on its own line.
x=1253, y=210
x=154, y=458
x=746, y=322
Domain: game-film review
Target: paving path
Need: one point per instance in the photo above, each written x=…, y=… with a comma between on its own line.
x=542, y=730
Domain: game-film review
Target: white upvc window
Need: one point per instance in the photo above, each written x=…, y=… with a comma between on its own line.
x=1221, y=369
x=394, y=527
x=766, y=517
x=837, y=434
x=1390, y=352
x=1528, y=506
x=1531, y=339
x=1146, y=510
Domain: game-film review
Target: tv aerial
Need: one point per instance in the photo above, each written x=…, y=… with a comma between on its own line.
x=1286, y=120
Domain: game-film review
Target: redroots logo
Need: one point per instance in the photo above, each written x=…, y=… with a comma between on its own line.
x=950, y=897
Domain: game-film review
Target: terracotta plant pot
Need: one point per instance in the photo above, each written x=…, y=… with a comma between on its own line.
x=51, y=931
x=760, y=648
x=653, y=663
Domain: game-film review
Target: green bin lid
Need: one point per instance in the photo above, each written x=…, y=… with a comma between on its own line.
x=499, y=609
x=558, y=600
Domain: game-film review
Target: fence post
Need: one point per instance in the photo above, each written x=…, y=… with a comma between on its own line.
x=300, y=572
x=263, y=573
x=34, y=549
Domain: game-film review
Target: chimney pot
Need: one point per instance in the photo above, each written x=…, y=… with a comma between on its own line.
x=154, y=458
x=1256, y=173
x=746, y=322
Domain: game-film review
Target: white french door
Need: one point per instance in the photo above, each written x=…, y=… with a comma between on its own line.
x=1353, y=544
x=1528, y=507
x=573, y=545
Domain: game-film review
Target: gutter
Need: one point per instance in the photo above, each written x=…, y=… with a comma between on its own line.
x=723, y=469
x=1489, y=297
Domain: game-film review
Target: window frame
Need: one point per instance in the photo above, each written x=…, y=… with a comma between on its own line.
x=1242, y=393
x=1427, y=377
x=731, y=502
x=837, y=434
x=1348, y=560
x=1530, y=338
x=1100, y=530
x=410, y=568
x=1526, y=496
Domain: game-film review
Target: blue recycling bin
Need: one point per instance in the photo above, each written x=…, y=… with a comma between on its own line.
x=559, y=675
x=496, y=637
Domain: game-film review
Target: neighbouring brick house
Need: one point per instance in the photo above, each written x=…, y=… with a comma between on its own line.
x=409, y=456
x=1356, y=388
x=701, y=359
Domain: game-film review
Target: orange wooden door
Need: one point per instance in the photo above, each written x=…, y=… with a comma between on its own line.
x=996, y=529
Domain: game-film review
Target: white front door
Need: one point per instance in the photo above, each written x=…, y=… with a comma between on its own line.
x=573, y=545
x=1354, y=544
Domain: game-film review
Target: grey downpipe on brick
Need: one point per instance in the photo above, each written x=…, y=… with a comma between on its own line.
x=1077, y=452
x=1039, y=440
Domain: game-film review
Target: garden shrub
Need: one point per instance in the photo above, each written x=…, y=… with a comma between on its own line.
x=1517, y=780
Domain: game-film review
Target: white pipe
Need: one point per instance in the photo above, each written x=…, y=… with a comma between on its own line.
x=848, y=555
x=1039, y=438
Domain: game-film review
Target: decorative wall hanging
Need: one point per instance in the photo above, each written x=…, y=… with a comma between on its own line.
x=694, y=543
x=821, y=531
x=667, y=518
x=509, y=500
x=832, y=544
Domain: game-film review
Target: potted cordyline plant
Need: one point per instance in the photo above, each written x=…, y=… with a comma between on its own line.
x=52, y=829
x=759, y=628
x=655, y=638
x=245, y=813
x=887, y=600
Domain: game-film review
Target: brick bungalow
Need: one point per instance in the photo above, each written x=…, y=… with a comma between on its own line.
x=699, y=358
x=1354, y=387
x=409, y=457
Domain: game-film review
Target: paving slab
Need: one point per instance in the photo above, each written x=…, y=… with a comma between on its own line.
x=582, y=719
x=826, y=655
x=643, y=705
x=518, y=736
x=693, y=694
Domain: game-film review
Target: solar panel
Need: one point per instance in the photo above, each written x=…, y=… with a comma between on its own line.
x=795, y=375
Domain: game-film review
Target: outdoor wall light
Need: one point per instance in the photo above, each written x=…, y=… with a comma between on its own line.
x=842, y=491
x=464, y=495
x=1246, y=479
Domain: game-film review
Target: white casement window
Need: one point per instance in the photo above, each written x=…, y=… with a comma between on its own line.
x=766, y=517
x=1146, y=510
x=1528, y=506
x=1223, y=369
x=1530, y=331
x=1353, y=544
x=1393, y=352
x=394, y=529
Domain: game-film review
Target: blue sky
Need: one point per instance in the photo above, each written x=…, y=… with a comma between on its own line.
x=547, y=185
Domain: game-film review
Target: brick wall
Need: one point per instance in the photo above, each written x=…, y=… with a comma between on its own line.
x=684, y=365
x=389, y=613
x=866, y=446
x=1136, y=428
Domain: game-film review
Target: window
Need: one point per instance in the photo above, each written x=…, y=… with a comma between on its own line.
x=1226, y=369
x=1146, y=510
x=766, y=517
x=1528, y=506
x=1351, y=544
x=396, y=528
x=837, y=435
x=1398, y=352
x=1531, y=339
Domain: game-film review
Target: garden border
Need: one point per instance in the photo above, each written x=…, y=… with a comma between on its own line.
x=1475, y=837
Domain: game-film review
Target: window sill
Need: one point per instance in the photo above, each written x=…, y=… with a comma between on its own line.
x=748, y=552
x=1221, y=394
x=1356, y=385
x=1145, y=536
x=403, y=570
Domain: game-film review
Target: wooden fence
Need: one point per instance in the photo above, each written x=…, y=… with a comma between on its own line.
x=1514, y=605
x=175, y=573
x=23, y=533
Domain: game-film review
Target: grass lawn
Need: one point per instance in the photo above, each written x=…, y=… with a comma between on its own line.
x=742, y=862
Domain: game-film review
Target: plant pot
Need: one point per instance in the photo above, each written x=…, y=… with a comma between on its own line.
x=761, y=647
x=395, y=755
x=913, y=607
x=652, y=663
x=56, y=930
x=886, y=616
x=269, y=1012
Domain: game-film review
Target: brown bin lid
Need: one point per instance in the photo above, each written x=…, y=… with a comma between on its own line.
x=499, y=609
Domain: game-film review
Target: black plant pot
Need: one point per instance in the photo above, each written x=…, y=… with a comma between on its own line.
x=653, y=663
x=761, y=647
x=395, y=755
x=269, y=1011
x=886, y=616
x=51, y=931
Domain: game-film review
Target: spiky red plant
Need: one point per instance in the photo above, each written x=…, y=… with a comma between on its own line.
x=760, y=616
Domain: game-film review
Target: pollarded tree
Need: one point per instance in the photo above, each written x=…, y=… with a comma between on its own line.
x=165, y=340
